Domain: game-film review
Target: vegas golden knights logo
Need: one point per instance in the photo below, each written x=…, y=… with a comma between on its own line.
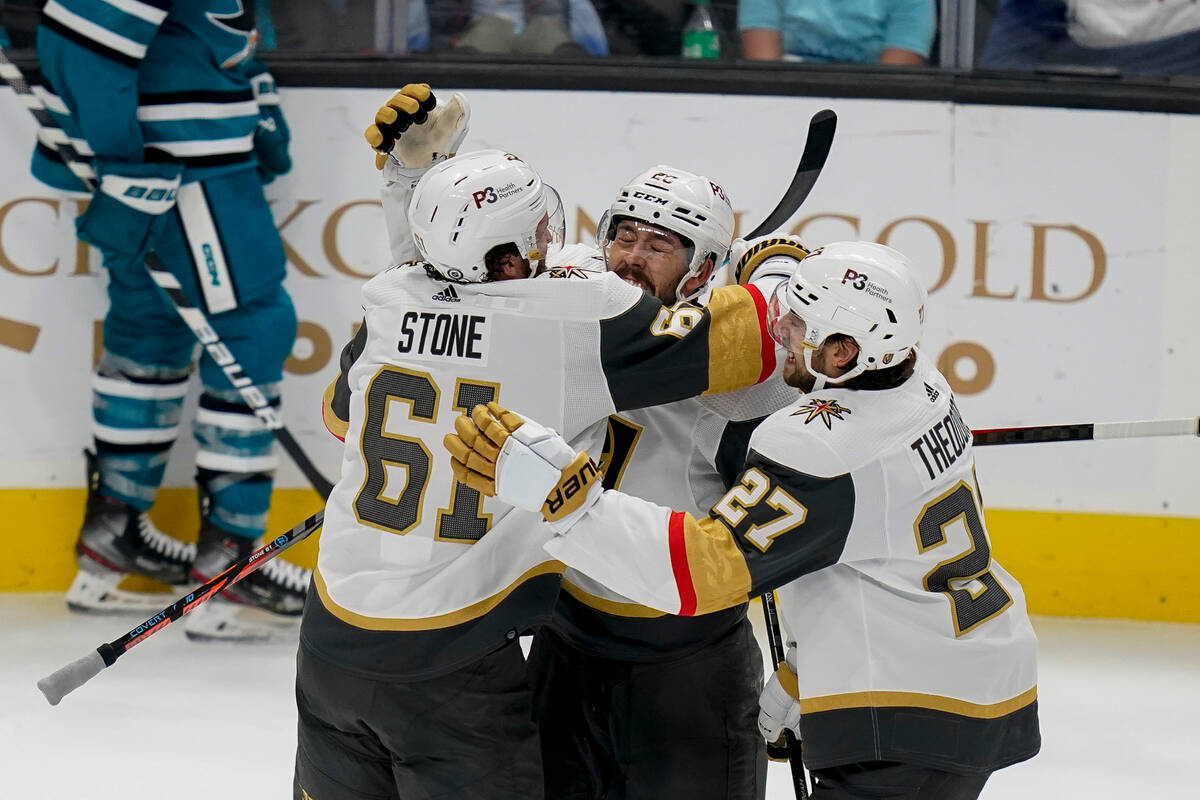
x=825, y=410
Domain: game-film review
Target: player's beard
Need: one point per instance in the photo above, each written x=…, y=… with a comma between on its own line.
x=796, y=374
x=641, y=278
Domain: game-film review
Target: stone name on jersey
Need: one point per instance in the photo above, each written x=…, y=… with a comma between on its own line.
x=431, y=335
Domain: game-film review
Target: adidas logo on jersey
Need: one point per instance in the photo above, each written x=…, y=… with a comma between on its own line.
x=932, y=393
x=447, y=295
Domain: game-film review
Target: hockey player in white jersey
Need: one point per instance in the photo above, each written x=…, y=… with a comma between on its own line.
x=617, y=683
x=409, y=679
x=601, y=656
x=912, y=661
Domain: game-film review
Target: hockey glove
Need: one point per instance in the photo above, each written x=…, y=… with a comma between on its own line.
x=271, y=137
x=779, y=707
x=749, y=257
x=501, y=454
x=128, y=207
x=415, y=131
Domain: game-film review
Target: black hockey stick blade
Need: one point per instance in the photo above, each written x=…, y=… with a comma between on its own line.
x=821, y=128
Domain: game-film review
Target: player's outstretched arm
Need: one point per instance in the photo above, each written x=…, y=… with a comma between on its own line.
x=670, y=560
x=410, y=133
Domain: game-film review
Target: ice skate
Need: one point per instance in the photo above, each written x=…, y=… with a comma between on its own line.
x=263, y=606
x=117, y=540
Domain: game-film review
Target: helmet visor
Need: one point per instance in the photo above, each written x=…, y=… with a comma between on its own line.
x=551, y=230
x=786, y=326
x=626, y=238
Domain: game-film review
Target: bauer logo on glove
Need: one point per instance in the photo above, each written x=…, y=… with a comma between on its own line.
x=504, y=455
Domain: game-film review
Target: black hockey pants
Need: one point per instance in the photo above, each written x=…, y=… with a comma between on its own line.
x=677, y=730
x=889, y=780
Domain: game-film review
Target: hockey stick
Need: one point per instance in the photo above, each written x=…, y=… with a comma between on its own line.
x=191, y=315
x=69, y=678
x=817, y=145
x=1084, y=431
x=821, y=128
x=791, y=749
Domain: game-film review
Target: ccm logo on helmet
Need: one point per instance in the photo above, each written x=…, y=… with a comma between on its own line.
x=665, y=177
x=643, y=196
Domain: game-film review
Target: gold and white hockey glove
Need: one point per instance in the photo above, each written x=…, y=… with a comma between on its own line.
x=779, y=706
x=502, y=454
x=767, y=257
x=412, y=132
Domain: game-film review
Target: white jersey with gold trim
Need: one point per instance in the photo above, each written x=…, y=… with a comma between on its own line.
x=863, y=507
x=403, y=546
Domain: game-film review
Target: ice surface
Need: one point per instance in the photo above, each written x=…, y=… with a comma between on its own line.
x=1119, y=703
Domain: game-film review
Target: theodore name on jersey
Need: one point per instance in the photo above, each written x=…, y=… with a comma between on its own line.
x=943, y=444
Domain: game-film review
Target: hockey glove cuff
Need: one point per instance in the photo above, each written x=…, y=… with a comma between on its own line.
x=416, y=132
x=128, y=207
x=766, y=258
x=272, y=136
x=779, y=706
x=501, y=454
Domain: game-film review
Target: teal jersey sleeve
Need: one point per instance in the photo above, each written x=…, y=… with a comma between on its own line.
x=910, y=26
x=90, y=52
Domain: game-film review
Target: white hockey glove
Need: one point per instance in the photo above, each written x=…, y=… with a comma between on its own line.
x=412, y=132
x=779, y=706
x=501, y=454
x=767, y=257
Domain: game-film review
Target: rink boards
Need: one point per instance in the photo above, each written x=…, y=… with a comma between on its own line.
x=1059, y=247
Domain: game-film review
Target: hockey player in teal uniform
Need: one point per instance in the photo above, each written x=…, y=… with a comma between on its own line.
x=181, y=128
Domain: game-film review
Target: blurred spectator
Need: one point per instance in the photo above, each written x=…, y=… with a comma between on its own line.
x=533, y=27
x=862, y=31
x=655, y=27
x=336, y=26
x=1133, y=36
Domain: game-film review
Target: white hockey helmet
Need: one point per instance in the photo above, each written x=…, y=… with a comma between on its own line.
x=466, y=205
x=860, y=289
x=689, y=205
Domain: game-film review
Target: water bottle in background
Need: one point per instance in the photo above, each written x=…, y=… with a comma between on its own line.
x=700, y=36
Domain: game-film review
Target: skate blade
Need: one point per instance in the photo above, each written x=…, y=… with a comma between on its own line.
x=221, y=620
x=98, y=593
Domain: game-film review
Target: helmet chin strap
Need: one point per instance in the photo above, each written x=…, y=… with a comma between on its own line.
x=692, y=272
x=820, y=379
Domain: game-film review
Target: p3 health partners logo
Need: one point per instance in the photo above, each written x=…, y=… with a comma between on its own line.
x=863, y=282
x=493, y=194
